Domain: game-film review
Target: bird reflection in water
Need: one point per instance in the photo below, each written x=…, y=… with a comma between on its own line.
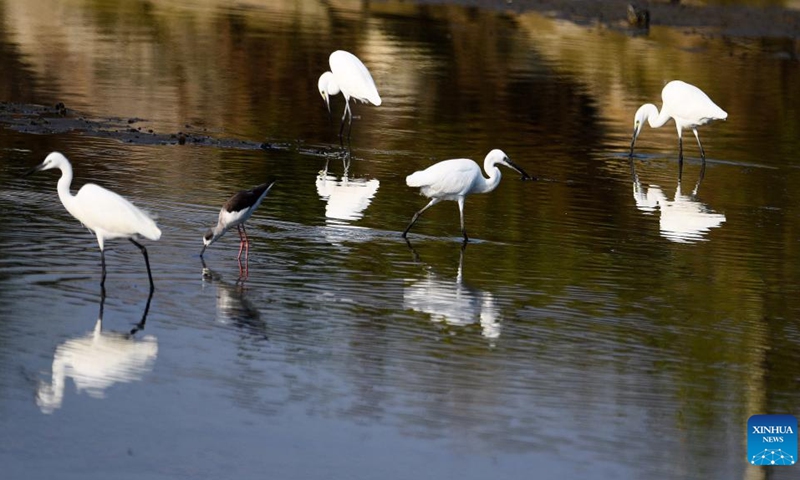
x=684, y=219
x=98, y=360
x=454, y=302
x=346, y=199
x=233, y=307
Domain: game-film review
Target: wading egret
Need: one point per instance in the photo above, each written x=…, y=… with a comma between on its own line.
x=457, y=178
x=689, y=106
x=102, y=211
x=349, y=76
x=234, y=213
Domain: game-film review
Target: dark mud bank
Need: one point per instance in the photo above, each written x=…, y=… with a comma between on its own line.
x=729, y=20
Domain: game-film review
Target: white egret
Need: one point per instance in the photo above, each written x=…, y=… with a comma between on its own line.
x=457, y=178
x=234, y=213
x=102, y=211
x=689, y=106
x=349, y=76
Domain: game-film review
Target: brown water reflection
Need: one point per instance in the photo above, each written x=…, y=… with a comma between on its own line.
x=573, y=323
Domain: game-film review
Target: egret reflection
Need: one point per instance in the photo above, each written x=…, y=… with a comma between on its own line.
x=683, y=219
x=346, y=199
x=97, y=361
x=453, y=301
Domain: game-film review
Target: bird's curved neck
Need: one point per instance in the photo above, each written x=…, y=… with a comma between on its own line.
x=657, y=119
x=332, y=87
x=490, y=183
x=219, y=230
x=63, y=186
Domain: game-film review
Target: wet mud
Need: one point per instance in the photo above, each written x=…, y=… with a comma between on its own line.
x=49, y=120
x=725, y=20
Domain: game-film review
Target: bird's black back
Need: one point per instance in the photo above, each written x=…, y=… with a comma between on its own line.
x=247, y=198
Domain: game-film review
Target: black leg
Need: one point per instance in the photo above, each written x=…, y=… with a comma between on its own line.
x=102, y=301
x=341, y=127
x=146, y=261
x=461, y=214
x=702, y=152
x=140, y=325
x=680, y=158
x=416, y=215
x=413, y=221
x=103, y=275
x=349, y=127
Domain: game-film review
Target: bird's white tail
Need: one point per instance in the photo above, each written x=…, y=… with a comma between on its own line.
x=147, y=225
x=374, y=98
x=151, y=231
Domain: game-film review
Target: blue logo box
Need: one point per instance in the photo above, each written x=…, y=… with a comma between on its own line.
x=772, y=440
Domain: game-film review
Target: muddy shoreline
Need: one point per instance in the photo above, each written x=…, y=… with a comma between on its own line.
x=51, y=120
x=740, y=21
x=734, y=21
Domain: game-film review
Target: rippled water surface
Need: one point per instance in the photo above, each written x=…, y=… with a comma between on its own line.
x=605, y=321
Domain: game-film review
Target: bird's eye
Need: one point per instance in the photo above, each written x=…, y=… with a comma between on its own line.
x=208, y=235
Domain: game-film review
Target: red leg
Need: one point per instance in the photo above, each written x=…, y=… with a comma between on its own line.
x=243, y=272
x=246, y=245
x=241, y=242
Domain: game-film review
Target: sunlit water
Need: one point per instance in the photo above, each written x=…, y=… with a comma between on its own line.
x=605, y=321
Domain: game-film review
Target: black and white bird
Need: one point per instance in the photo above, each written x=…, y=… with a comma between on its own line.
x=234, y=213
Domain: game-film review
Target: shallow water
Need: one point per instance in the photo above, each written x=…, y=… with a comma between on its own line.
x=605, y=321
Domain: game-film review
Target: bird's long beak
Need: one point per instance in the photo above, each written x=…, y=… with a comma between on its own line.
x=327, y=99
x=633, y=142
x=516, y=167
x=202, y=251
x=34, y=169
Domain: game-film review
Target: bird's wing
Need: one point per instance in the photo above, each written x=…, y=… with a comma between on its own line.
x=248, y=198
x=353, y=78
x=101, y=209
x=446, y=178
x=689, y=103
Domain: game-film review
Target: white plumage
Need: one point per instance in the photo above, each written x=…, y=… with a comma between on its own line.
x=349, y=76
x=102, y=211
x=455, y=179
x=118, y=218
x=689, y=106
